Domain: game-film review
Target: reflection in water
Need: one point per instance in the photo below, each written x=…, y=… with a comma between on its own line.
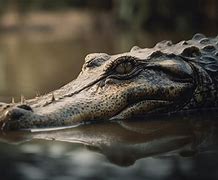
x=125, y=142
x=138, y=145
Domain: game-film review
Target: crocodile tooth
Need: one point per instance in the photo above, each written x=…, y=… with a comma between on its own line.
x=38, y=94
x=53, y=97
x=12, y=100
x=22, y=99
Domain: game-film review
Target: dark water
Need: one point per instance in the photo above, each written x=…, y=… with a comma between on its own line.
x=178, y=148
x=42, y=57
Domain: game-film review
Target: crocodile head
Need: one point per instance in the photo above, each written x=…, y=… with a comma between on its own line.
x=140, y=82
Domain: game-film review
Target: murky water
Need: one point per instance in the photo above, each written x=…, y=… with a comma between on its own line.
x=178, y=148
x=36, y=61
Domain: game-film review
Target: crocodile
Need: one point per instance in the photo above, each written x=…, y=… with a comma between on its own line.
x=166, y=79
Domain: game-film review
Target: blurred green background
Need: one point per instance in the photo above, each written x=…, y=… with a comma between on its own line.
x=43, y=42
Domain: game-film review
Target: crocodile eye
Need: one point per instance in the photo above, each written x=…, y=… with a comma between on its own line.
x=124, y=68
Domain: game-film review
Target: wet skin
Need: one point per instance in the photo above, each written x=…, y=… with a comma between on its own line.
x=165, y=79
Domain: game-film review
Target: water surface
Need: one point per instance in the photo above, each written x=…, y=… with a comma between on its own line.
x=178, y=148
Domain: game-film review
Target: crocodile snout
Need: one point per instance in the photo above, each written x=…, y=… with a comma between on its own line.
x=13, y=114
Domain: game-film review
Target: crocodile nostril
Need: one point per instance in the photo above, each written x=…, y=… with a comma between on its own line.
x=25, y=107
x=14, y=114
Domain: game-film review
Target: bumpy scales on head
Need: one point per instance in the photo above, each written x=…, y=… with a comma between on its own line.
x=167, y=78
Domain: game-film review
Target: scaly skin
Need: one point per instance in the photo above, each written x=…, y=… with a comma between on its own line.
x=167, y=78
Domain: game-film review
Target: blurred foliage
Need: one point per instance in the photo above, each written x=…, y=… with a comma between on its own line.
x=27, y=5
x=151, y=15
x=169, y=14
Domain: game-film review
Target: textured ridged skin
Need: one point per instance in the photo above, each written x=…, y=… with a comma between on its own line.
x=167, y=78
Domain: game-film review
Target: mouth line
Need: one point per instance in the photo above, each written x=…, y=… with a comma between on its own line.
x=164, y=103
x=150, y=106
